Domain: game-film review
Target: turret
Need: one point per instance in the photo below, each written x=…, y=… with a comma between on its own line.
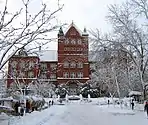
x=85, y=33
x=60, y=33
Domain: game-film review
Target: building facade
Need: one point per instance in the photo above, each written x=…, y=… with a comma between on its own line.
x=70, y=66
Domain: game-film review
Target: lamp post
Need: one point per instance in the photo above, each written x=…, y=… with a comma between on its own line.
x=24, y=98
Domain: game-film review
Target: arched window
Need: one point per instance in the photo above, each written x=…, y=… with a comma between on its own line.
x=72, y=75
x=22, y=64
x=31, y=64
x=79, y=41
x=80, y=74
x=66, y=64
x=30, y=74
x=14, y=64
x=80, y=65
x=66, y=41
x=65, y=74
x=73, y=41
x=73, y=64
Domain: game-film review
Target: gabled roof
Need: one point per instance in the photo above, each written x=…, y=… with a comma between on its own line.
x=72, y=25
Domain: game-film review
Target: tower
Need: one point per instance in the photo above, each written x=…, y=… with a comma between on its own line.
x=73, y=65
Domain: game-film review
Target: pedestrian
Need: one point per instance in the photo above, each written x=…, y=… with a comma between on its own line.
x=146, y=108
x=27, y=106
x=17, y=104
x=52, y=102
x=21, y=111
x=132, y=104
x=49, y=103
x=108, y=102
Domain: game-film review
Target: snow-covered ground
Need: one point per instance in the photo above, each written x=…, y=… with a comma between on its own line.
x=84, y=113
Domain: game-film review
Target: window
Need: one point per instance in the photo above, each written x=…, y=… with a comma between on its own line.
x=80, y=75
x=22, y=64
x=80, y=65
x=22, y=74
x=52, y=76
x=31, y=64
x=43, y=76
x=72, y=75
x=73, y=41
x=13, y=64
x=73, y=64
x=43, y=66
x=65, y=49
x=30, y=74
x=66, y=41
x=14, y=73
x=66, y=64
x=65, y=74
x=79, y=41
x=53, y=66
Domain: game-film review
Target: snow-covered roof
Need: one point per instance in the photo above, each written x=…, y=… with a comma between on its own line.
x=48, y=55
x=134, y=93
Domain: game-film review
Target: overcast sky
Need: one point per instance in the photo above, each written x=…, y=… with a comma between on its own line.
x=85, y=13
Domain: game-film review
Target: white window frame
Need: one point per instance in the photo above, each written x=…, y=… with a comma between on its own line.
x=43, y=66
x=53, y=66
x=66, y=75
x=31, y=74
x=52, y=76
x=31, y=64
x=72, y=75
x=14, y=64
x=66, y=64
x=43, y=76
x=79, y=42
x=22, y=64
x=22, y=74
x=73, y=64
x=73, y=42
x=79, y=65
x=67, y=41
x=80, y=74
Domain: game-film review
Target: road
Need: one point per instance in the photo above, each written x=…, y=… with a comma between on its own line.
x=94, y=115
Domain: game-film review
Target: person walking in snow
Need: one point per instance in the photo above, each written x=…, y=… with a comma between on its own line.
x=146, y=108
x=132, y=104
x=52, y=102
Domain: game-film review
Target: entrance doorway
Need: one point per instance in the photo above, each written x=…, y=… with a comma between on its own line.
x=72, y=88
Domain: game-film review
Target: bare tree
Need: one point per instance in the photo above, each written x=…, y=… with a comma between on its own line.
x=129, y=35
x=16, y=34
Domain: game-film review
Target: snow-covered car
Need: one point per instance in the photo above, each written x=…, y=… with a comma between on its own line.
x=73, y=97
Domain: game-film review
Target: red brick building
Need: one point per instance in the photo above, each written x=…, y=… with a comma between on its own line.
x=70, y=65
